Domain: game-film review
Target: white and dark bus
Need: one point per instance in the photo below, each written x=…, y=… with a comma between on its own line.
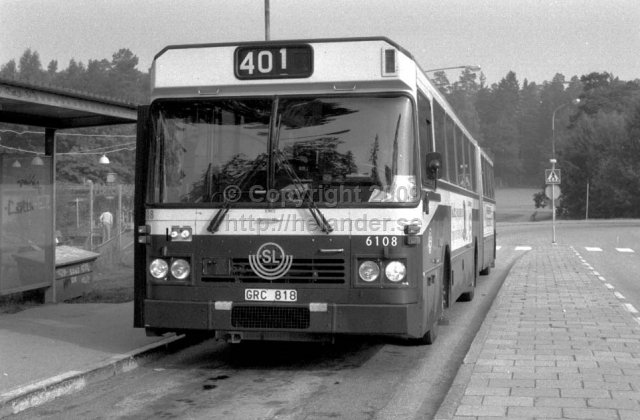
x=299, y=190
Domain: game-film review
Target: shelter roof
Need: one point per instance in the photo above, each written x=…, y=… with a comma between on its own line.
x=59, y=108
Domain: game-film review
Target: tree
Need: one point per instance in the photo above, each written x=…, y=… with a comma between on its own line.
x=441, y=81
x=532, y=151
x=31, y=68
x=9, y=70
x=462, y=97
x=603, y=151
x=499, y=126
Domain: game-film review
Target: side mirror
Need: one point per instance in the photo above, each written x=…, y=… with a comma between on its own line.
x=433, y=163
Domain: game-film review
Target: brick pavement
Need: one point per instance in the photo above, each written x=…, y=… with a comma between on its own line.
x=557, y=343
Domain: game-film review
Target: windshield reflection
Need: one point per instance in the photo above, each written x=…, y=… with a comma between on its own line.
x=330, y=150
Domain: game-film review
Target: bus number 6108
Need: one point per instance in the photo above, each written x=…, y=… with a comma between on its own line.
x=381, y=241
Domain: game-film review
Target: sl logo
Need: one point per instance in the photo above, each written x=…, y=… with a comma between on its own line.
x=270, y=262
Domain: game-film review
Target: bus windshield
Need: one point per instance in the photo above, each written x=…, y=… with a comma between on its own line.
x=329, y=150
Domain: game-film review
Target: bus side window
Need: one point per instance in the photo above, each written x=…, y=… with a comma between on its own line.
x=472, y=167
x=483, y=167
x=460, y=157
x=450, y=151
x=440, y=129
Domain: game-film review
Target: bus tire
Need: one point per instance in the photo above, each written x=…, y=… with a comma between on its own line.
x=467, y=296
x=428, y=338
x=431, y=335
x=485, y=271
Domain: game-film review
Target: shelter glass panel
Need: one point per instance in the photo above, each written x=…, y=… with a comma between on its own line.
x=26, y=248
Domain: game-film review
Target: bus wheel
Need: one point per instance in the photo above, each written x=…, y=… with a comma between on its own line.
x=485, y=272
x=428, y=338
x=431, y=335
x=467, y=296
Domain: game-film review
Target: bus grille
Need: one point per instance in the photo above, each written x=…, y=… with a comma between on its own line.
x=269, y=317
x=303, y=270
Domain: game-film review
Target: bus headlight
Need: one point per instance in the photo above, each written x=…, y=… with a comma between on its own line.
x=159, y=268
x=395, y=271
x=180, y=269
x=368, y=271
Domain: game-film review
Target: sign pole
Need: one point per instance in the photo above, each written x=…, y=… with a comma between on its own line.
x=553, y=203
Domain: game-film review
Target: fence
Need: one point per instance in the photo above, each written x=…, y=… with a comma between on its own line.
x=97, y=218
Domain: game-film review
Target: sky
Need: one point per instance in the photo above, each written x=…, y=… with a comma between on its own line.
x=534, y=38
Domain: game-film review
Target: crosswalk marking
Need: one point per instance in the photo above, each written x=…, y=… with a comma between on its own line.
x=523, y=248
x=624, y=250
x=593, y=248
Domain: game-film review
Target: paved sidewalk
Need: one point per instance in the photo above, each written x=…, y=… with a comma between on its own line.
x=556, y=344
x=56, y=349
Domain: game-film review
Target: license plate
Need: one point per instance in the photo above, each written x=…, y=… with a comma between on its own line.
x=271, y=295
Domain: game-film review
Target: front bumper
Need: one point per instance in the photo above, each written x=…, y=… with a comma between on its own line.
x=262, y=321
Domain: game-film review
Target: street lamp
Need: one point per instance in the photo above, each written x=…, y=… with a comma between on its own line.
x=553, y=165
x=553, y=125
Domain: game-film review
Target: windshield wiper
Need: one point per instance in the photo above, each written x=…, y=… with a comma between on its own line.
x=304, y=194
x=215, y=223
x=299, y=185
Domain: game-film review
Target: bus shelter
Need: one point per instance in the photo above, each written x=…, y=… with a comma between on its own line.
x=27, y=182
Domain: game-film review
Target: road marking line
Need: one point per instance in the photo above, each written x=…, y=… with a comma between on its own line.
x=498, y=247
x=637, y=320
x=601, y=278
x=593, y=248
x=624, y=250
x=619, y=295
x=608, y=286
x=629, y=307
x=523, y=248
x=595, y=273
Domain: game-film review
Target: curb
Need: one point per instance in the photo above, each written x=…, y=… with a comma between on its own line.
x=33, y=395
x=456, y=391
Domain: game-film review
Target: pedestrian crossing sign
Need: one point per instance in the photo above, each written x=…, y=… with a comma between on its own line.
x=552, y=176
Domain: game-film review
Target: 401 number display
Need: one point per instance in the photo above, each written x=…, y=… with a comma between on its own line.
x=273, y=62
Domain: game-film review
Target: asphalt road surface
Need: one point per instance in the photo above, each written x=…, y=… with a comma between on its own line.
x=355, y=378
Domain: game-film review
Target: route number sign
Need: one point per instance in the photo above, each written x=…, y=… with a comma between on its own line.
x=273, y=62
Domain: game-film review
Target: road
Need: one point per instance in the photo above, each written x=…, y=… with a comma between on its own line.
x=355, y=378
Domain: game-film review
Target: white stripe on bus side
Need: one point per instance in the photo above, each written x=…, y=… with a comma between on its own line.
x=291, y=221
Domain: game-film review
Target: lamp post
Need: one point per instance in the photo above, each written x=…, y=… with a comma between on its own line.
x=553, y=203
x=553, y=125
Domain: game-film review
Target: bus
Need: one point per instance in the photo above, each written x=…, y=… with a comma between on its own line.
x=302, y=190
